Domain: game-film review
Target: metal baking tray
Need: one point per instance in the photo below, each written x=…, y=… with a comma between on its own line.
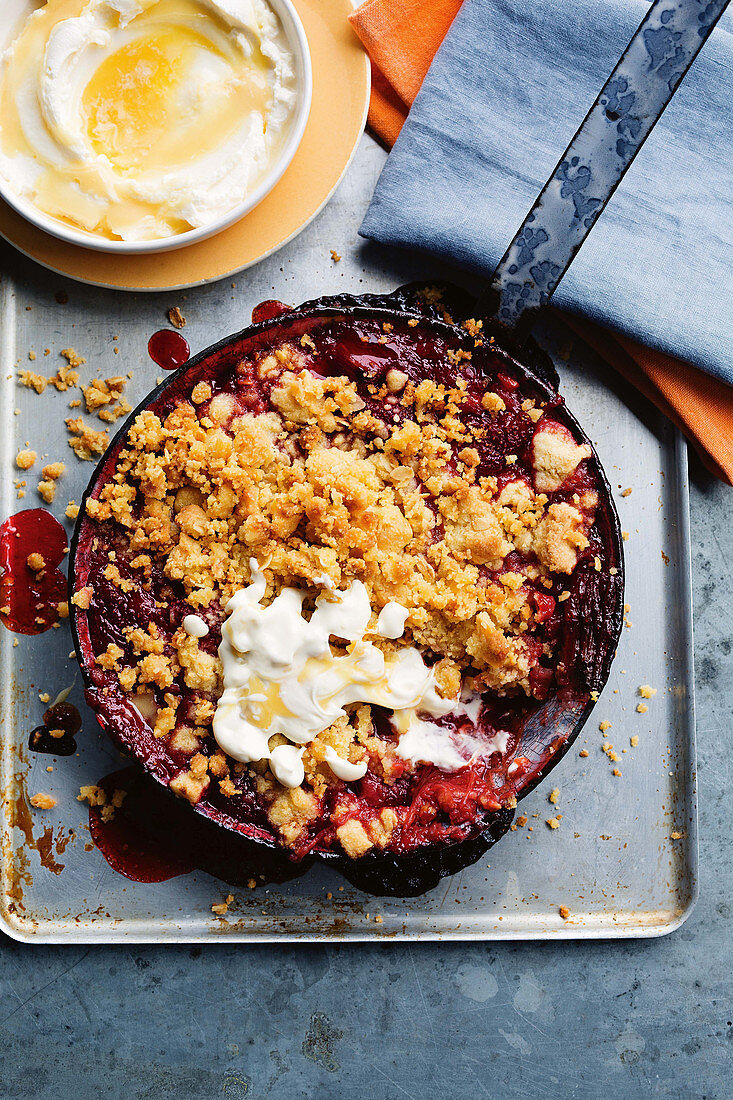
x=624, y=858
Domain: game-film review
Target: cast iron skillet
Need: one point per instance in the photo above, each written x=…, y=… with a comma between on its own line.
x=587, y=651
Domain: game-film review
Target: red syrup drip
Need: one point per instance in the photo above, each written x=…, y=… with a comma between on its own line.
x=126, y=845
x=31, y=597
x=154, y=836
x=168, y=349
x=56, y=736
x=267, y=311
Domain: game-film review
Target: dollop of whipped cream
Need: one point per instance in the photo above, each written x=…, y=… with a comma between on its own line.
x=142, y=119
x=282, y=676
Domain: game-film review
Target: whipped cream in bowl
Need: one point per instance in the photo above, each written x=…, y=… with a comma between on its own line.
x=145, y=125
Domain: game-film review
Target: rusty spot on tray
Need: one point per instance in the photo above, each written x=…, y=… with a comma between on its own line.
x=17, y=857
x=44, y=846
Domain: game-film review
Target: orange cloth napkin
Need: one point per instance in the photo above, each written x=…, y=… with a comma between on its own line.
x=401, y=38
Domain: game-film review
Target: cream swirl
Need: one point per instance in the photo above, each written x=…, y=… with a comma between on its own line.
x=282, y=676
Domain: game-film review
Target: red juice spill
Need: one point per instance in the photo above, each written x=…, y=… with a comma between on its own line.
x=124, y=841
x=267, y=311
x=29, y=598
x=154, y=836
x=168, y=349
x=56, y=736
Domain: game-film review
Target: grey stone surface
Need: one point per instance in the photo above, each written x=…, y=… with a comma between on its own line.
x=604, y=1019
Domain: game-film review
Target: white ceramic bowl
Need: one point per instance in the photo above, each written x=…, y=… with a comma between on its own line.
x=298, y=43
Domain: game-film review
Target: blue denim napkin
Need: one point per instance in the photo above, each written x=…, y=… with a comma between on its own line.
x=507, y=90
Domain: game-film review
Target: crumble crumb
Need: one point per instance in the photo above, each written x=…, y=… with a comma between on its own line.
x=53, y=470
x=73, y=358
x=43, y=801
x=85, y=442
x=32, y=381
x=335, y=256
x=72, y=509
x=47, y=490
x=176, y=318
x=564, y=912
x=36, y=562
x=625, y=536
x=634, y=741
x=83, y=597
x=642, y=708
x=583, y=752
x=220, y=908
x=647, y=692
x=554, y=796
x=676, y=835
x=617, y=772
x=25, y=459
x=522, y=821
x=626, y=493
x=553, y=822
x=604, y=725
x=201, y=392
x=64, y=378
x=95, y=795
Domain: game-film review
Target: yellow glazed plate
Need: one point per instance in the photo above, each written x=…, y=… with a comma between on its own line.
x=337, y=117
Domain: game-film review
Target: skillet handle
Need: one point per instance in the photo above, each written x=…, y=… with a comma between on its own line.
x=617, y=125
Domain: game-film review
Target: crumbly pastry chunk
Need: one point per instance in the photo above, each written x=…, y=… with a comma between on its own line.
x=556, y=456
x=323, y=479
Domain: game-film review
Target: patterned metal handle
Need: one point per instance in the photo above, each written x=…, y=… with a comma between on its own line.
x=617, y=125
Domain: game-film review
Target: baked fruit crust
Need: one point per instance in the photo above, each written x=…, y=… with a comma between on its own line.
x=379, y=439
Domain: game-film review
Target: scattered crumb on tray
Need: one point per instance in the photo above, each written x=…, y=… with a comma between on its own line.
x=85, y=442
x=220, y=908
x=176, y=318
x=32, y=381
x=43, y=801
x=25, y=459
x=72, y=357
